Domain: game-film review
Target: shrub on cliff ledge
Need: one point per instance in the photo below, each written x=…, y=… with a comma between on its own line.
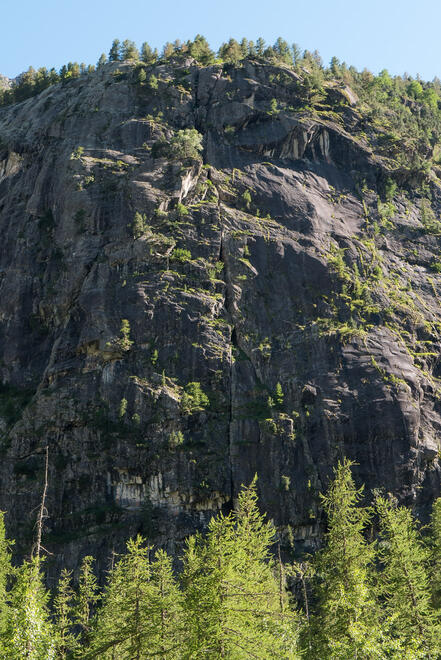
x=194, y=399
x=139, y=225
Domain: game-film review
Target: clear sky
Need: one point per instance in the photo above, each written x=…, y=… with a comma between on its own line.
x=399, y=35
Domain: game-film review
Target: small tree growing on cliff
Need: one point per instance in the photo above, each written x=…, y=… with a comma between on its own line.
x=201, y=51
x=194, y=399
x=141, y=76
x=114, y=53
x=168, y=51
x=147, y=54
x=139, y=225
x=129, y=50
x=186, y=143
x=231, y=52
x=124, y=341
x=246, y=197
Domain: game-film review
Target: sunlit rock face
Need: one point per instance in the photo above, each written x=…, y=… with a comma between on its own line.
x=267, y=319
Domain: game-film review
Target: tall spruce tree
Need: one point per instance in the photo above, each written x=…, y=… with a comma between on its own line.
x=114, y=53
x=129, y=50
x=147, y=54
x=346, y=623
x=283, y=51
x=231, y=52
x=86, y=599
x=413, y=624
x=168, y=51
x=141, y=612
x=65, y=640
x=260, y=46
x=200, y=50
x=29, y=633
x=5, y=575
x=234, y=604
x=435, y=554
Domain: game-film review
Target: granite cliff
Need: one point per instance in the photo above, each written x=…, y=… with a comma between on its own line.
x=172, y=323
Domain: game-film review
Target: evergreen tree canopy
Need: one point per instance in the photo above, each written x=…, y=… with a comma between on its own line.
x=129, y=50
x=404, y=584
x=114, y=53
x=231, y=52
x=200, y=50
x=147, y=54
x=187, y=143
x=5, y=573
x=236, y=606
x=347, y=621
x=141, y=612
x=435, y=554
x=29, y=632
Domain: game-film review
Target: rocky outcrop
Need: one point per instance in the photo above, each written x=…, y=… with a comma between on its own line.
x=5, y=83
x=274, y=314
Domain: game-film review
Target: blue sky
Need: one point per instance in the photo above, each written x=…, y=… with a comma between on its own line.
x=396, y=35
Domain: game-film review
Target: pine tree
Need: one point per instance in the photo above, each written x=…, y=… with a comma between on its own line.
x=404, y=584
x=435, y=554
x=141, y=76
x=86, y=598
x=244, y=47
x=29, y=633
x=164, y=606
x=5, y=573
x=283, y=51
x=347, y=621
x=147, y=54
x=74, y=69
x=296, y=54
x=118, y=632
x=102, y=61
x=168, y=51
x=63, y=610
x=141, y=612
x=231, y=52
x=235, y=606
x=139, y=224
x=335, y=67
x=114, y=53
x=279, y=396
x=260, y=46
x=201, y=51
x=251, y=49
x=186, y=143
x=129, y=50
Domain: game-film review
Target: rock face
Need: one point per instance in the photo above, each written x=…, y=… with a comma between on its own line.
x=273, y=314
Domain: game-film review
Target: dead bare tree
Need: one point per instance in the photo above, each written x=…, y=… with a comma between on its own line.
x=42, y=511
